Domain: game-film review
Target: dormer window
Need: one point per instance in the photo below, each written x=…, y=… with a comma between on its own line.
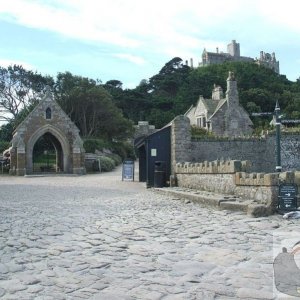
x=48, y=113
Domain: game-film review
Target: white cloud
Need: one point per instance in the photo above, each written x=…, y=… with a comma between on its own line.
x=74, y=22
x=129, y=23
x=8, y=62
x=132, y=58
x=159, y=28
x=284, y=14
x=126, y=23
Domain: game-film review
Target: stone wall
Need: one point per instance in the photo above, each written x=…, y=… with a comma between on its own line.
x=229, y=177
x=216, y=183
x=213, y=167
x=290, y=151
x=261, y=152
x=222, y=181
x=180, y=140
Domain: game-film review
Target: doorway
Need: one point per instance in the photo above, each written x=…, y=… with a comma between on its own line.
x=47, y=155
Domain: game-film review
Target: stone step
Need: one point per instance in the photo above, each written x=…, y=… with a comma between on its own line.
x=224, y=202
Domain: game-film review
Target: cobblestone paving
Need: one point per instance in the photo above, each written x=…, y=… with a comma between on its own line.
x=95, y=237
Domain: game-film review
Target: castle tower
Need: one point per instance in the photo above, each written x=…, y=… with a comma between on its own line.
x=204, y=57
x=234, y=48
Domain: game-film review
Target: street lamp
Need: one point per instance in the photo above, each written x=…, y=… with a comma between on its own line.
x=278, y=124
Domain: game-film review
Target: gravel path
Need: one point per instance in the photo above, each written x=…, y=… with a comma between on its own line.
x=96, y=237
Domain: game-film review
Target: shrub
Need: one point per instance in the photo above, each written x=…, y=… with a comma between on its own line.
x=107, y=164
x=90, y=145
x=116, y=158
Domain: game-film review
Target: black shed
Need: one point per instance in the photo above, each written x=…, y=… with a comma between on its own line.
x=154, y=150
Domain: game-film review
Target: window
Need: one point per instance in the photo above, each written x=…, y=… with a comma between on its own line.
x=199, y=122
x=48, y=113
x=204, y=122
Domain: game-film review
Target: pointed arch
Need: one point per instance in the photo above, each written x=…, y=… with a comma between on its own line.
x=60, y=136
x=48, y=113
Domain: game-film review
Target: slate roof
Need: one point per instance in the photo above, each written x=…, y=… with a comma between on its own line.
x=210, y=105
x=220, y=104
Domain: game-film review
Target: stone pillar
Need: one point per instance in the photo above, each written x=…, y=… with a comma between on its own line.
x=13, y=161
x=21, y=158
x=180, y=141
x=78, y=157
x=78, y=166
x=76, y=162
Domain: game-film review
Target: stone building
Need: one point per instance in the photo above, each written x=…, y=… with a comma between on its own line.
x=143, y=128
x=233, y=54
x=50, y=121
x=268, y=60
x=222, y=115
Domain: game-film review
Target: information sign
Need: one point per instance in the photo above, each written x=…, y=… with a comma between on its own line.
x=287, y=197
x=128, y=170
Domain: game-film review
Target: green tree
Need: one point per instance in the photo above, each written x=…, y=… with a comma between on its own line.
x=91, y=107
x=19, y=89
x=292, y=110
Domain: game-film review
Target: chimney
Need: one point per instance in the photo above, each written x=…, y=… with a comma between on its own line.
x=232, y=92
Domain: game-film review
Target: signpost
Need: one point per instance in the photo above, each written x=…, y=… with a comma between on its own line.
x=128, y=170
x=287, y=197
x=278, y=149
x=277, y=124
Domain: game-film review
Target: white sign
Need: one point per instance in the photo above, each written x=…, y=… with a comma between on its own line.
x=153, y=152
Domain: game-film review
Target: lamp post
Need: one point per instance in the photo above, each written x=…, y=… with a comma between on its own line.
x=278, y=124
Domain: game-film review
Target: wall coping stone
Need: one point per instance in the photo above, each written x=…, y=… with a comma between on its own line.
x=213, y=167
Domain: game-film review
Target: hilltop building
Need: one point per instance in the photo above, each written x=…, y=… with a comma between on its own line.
x=222, y=115
x=233, y=55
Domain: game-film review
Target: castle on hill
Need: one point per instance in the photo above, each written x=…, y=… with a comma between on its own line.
x=233, y=55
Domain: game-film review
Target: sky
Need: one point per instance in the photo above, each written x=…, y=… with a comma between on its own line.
x=131, y=40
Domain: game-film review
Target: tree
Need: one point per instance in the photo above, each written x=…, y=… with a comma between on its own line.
x=19, y=89
x=114, y=83
x=170, y=78
x=91, y=107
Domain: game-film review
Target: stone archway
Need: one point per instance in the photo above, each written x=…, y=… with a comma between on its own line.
x=61, y=140
x=47, y=155
x=47, y=118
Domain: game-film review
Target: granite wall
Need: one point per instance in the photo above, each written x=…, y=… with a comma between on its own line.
x=231, y=178
x=261, y=152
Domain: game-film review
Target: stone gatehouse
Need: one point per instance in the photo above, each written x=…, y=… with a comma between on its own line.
x=50, y=121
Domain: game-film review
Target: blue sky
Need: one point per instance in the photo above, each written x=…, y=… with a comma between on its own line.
x=131, y=40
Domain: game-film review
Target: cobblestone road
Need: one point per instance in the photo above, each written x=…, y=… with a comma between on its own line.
x=95, y=237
